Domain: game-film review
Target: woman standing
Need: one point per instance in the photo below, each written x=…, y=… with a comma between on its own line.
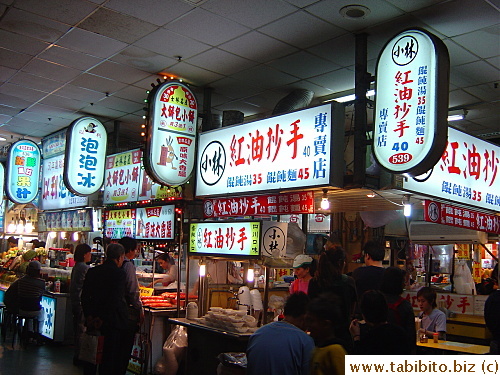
x=303, y=270
x=82, y=256
x=329, y=278
x=167, y=263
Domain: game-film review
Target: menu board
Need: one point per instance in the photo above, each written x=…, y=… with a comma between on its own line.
x=120, y=223
x=232, y=240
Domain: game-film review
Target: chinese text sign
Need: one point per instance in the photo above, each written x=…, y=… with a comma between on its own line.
x=23, y=171
x=155, y=222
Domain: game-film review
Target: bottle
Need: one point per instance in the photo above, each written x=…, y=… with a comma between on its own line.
x=57, y=286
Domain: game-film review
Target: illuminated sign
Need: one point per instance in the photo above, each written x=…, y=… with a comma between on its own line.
x=49, y=307
x=295, y=150
x=278, y=204
x=55, y=195
x=274, y=239
x=68, y=220
x=411, y=102
x=119, y=223
x=235, y=239
x=467, y=173
x=171, y=142
x=155, y=222
x=86, y=141
x=121, y=182
x=442, y=213
x=23, y=171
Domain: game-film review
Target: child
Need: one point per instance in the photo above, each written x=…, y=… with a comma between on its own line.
x=433, y=319
x=329, y=354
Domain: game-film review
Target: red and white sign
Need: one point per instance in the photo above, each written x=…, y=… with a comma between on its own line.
x=411, y=102
x=155, y=222
x=442, y=213
x=467, y=173
x=121, y=183
x=277, y=204
x=457, y=303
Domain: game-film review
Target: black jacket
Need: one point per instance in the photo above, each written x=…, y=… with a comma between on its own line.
x=103, y=295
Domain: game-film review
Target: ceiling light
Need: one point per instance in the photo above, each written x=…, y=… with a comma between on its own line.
x=2, y=139
x=371, y=195
x=250, y=273
x=325, y=203
x=455, y=117
x=354, y=12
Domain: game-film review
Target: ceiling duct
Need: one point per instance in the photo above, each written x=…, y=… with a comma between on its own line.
x=297, y=99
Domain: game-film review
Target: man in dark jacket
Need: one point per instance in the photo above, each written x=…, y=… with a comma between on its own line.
x=105, y=307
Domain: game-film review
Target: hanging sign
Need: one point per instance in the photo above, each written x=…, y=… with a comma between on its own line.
x=236, y=239
x=148, y=189
x=278, y=204
x=121, y=182
x=467, y=173
x=411, y=102
x=55, y=195
x=23, y=171
x=155, y=222
x=171, y=140
x=69, y=220
x=274, y=239
x=442, y=213
x=86, y=141
x=295, y=150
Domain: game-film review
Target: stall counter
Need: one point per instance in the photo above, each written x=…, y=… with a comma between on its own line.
x=206, y=343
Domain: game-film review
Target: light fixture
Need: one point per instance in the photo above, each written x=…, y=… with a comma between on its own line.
x=20, y=227
x=28, y=227
x=407, y=205
x=52, y=234
x=63, y=235
x=12, y=226
x=325, y=203
x=76, y=236
x=370, y=195
x=250, y=273
x=2, y=139
x=203, y=268
x=457, y=115
x=349, y=98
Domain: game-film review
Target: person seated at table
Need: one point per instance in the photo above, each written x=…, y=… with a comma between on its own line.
x=167, y=263
x=492, y=314
x=432, y=319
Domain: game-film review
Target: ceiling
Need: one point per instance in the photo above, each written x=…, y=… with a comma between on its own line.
x=61, y=59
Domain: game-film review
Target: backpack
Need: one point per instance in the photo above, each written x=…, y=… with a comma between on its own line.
x=394, y=307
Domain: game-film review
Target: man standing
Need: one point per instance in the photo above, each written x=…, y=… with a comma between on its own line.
x=282, y=347
x=135, y=310
x=370, y=276
x=105, y=307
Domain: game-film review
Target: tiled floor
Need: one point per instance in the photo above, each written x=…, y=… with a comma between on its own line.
x=48, y=359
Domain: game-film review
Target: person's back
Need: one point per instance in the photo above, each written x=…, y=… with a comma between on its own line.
x=30, y=293
x=369, y=277
x=400, y=310
x=279, y=348
x=282, y=347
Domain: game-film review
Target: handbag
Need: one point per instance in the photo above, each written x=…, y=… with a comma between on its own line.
x=91, y=348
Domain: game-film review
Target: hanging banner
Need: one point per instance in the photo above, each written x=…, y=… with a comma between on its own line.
x=86, y=141
x=235, y=239
x=119, y=223
x=55, y=195
x=467, y=173
x=171, y=133
x=411, y=109
x=54, y=144
x=447, y=214
x=278, y=204
x=155, y=222
x=23, y=171
x=68, y=221
x=295, y=150
x=121, y=183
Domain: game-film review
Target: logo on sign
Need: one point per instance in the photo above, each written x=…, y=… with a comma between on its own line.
x=213, y=163
x=405, y=50
x=433, y=212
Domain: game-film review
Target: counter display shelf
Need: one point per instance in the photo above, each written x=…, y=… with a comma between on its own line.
x=450, y=347
x=206, y=343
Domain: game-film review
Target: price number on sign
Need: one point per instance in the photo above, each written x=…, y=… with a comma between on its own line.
x=303, y=173
x=257, y=179
x=476, y=195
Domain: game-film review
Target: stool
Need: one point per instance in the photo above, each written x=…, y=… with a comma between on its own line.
x=21, y=327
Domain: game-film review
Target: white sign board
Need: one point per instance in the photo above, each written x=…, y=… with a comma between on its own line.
x=55, y=195
x=274, y=239
x=411, y=102
x=170, y=147
x=86, y=141
x=155, y=222
x=294, y=150
x=466, y=173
